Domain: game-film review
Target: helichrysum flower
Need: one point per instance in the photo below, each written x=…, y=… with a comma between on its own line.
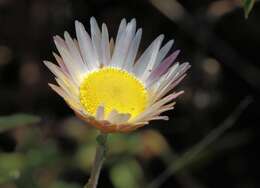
x=107, y=85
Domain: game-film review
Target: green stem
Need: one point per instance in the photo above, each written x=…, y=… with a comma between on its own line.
x=98, y=161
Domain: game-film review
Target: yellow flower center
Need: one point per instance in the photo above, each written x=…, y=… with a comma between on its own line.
x=114, y=89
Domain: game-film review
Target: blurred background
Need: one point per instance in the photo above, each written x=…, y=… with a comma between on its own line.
x=211, y=140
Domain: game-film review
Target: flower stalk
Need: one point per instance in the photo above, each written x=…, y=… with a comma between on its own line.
x=98, y=161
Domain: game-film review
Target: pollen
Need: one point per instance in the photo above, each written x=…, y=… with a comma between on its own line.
x=113, y=88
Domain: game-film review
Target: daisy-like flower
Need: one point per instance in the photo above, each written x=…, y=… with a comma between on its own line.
x=107, y=85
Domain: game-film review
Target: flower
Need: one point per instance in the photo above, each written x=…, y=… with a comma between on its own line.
x=107, y=85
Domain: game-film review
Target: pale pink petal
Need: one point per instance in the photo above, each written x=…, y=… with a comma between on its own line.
x=163, y=67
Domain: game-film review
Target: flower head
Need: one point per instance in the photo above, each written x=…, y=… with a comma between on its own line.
x=107, y=85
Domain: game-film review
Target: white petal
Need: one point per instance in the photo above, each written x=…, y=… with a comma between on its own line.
x=125, y=42
x=111, y=45
x=120, y=36
x=85, y=46
x=154, y=108
x=117, y=118
x=152, y=60
x=69, y=89
x=169, y=87
x=171, y=77
x=165, y=100
x=121, y=29
x=58, y=90
x=61, y=63
x=146, y=61
x=168, y=77
x=77, y=45
x=100, y=113
x=112, y=115
x=58, y=72
x=133, y=49
x=106, y=56
x=67, y=98
x=73, y=67
x=74, y=52
x=162, y=68
x=121, y=118
x=166, y=118
x=96, y=39
x=163, y=52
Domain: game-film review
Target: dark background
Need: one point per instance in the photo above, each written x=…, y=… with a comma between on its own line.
x=223, y=49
